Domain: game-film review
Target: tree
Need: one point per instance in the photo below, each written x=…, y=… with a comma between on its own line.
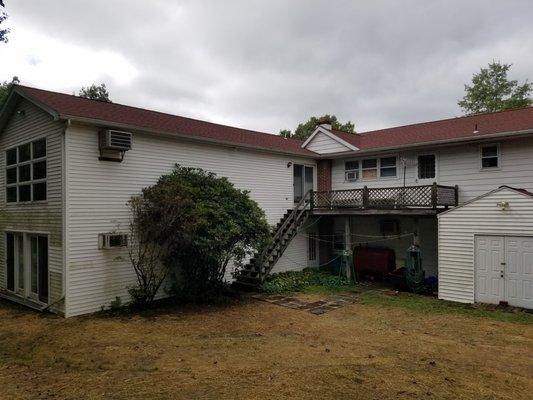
x=5, y=87
x=492, y=91
x=305, y=129
x=203, y=222
x=94, y=92
x=3, y=32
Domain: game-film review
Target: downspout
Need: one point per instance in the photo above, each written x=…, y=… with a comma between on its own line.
x=64, y=196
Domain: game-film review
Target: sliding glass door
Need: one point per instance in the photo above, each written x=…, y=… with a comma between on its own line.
x=302, y=180
x=27, y=265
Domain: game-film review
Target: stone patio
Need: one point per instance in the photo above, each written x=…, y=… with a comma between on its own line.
x=329, y=303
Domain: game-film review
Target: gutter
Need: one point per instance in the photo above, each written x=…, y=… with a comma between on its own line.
x=443, y=142
x=226, y=143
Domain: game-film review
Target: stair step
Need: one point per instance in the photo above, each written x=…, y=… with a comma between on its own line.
x=256, y=269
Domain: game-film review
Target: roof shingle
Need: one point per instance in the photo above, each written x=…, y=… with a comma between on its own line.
x=70, y=106
x=446, y=129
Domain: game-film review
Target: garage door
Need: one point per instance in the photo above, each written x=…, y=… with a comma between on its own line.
x=504, y=270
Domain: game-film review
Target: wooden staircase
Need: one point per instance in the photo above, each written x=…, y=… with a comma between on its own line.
x=261, y=264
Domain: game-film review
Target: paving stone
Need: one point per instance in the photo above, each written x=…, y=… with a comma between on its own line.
x=315, y=307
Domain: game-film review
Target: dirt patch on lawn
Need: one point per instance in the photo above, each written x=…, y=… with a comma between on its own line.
x=256, y=350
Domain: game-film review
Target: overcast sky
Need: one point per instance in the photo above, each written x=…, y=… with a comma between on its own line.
x=267, y=65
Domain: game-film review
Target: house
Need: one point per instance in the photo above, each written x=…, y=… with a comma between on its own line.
x=71, y=164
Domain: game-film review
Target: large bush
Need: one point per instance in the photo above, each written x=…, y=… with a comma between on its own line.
x=203, y=222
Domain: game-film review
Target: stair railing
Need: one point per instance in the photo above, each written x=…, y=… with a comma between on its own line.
x=294, y=216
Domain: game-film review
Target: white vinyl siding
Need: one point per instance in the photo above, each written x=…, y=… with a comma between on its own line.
x=44, y=217
x=323, y=144
x=294, y=257
x=98, y=192
x=458, y=228
x=458, y=165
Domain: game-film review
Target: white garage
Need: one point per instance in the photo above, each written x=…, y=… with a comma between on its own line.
x=486, y=249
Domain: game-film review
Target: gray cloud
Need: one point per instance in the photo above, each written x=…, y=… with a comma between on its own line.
x=269, y=65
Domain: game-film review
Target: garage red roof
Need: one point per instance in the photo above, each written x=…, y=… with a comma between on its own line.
x=74, y=107
x=524, y=191
x=446, y=129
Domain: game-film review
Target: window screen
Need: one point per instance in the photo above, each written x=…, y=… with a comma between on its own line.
x=489, y=157
x=426, y=166
x=387, y=167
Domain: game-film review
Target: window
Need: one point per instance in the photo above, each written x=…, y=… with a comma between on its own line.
x=387, y=167
x=351, y=171
x=370, y=169
x=389, y=227
x=26, y=172
x=490, y=156
x=426, y=166
x=312, y=242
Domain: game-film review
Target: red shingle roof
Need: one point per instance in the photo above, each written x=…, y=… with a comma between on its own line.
x=446, y=129
x=69, y=106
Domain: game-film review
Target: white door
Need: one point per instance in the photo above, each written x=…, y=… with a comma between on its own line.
x=302, y=180
x=490, y=259
x=504, y=270
x=519, y=271
x=312, y=250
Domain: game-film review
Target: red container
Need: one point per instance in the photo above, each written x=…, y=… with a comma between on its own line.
x=374, y=260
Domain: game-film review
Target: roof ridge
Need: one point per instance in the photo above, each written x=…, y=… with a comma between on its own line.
x=248, y=131
x=340, y=130
x=445, y=119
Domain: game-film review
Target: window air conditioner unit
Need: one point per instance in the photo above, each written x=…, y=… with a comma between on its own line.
x=115, y=140
x=112, y=240
x=351, y=176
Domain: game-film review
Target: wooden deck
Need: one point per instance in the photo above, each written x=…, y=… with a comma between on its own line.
x=411, y=199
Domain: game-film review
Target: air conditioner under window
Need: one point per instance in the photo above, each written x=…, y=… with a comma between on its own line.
x=112, y=240
x=351, y=176
x=115, y=140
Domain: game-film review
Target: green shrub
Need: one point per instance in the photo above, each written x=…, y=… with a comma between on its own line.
x=297, y=281
x=202, y=223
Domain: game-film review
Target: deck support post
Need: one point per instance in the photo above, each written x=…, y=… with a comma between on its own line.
x=366, y=197
x=434, y=195
x=347, y=249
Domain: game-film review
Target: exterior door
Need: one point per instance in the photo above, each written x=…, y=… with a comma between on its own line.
x=312, y=249
x=38, y=271
x=27, y=265
x=303, y=178
x=504, y=270
x=519, y=271
x=15, y=263
x=490, y=259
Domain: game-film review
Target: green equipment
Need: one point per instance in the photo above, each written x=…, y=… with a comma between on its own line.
x=346, y=265
x=414, y=274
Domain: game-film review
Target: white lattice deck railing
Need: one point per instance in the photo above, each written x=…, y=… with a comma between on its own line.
x=428, y=196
